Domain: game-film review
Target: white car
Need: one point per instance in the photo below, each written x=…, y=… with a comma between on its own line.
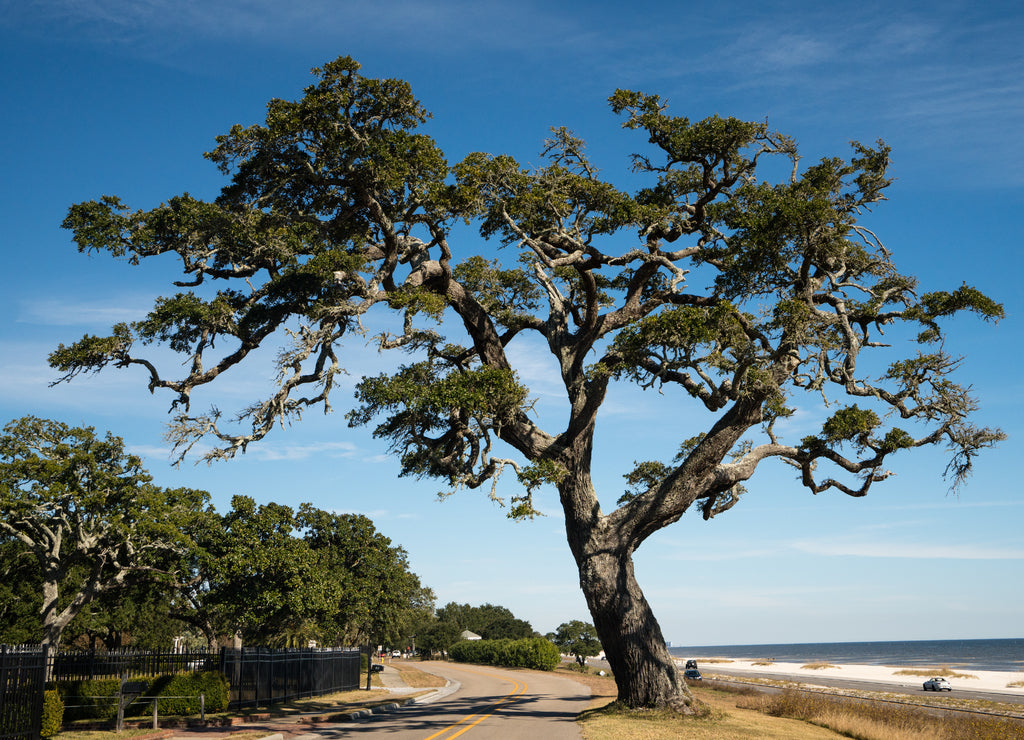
x=396, y=653
x=937, y=684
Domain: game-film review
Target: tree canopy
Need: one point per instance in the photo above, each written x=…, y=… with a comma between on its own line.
x=490, y=621
x=85, y=510
x=92, y=547
x=736, y=295
x=579, y=639
x=274, y=576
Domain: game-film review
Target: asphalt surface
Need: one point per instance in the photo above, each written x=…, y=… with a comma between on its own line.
x=477, y=702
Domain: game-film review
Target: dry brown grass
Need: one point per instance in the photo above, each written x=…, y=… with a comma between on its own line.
x=714, y=660
x=881, y=721
x=747, y=713
x=818, y=666
x=417, y=679
x=1015, y=685
x=929, y=671
x=723, y=721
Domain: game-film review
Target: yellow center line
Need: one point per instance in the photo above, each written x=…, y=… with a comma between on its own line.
x=517, y=690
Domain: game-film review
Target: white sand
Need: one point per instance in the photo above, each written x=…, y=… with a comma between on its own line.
x=985, y=681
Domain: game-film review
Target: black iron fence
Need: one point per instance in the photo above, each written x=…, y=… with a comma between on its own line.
x=261, y=676
x=82, y=665
x=22, y=680
x=256, y=676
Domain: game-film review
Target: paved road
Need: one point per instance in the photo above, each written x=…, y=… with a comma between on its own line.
x=485, y=702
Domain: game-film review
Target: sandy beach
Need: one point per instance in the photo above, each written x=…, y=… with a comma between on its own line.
x=982, y=681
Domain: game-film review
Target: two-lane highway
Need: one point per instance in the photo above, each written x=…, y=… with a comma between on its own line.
x=490, y=703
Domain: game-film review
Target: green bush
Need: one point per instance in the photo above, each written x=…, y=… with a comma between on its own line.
x=53, y=713
x=94, y=698
x=97, y=698
x=533, y=652
x=212, y=684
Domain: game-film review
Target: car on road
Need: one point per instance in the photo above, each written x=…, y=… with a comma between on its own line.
x=692, y=674
x=396, y=653
x=691, y=663
x=937, y=684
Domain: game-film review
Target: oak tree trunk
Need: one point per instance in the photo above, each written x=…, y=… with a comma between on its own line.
x=645, y=673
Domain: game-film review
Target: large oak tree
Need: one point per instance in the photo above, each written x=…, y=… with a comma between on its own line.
x=736, y=296
x=83, y=508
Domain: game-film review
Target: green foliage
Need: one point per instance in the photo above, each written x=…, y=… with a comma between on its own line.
x=336, y=204
x=437, y=636
x=88, y=513
x=92, y=353
x=579, y=639
x=139, y=615
x=212, y=684
x=97, y=698
x=53, y=713
x=20, y=594
x=850, y=423
x=284, y=577
x=687, y=337
x=490, y=621
x=91, y=698
x=535, y=652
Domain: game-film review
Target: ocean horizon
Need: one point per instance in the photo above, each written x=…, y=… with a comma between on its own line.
x=979, y=655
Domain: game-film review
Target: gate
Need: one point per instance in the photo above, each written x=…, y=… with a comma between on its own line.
x=22, y=680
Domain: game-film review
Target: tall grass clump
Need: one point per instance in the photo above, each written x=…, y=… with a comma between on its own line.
x=879, y=721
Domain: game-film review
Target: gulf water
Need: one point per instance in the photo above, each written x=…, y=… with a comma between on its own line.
x=979, y=655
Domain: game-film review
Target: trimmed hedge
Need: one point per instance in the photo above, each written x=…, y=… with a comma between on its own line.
x=53, y=713
x=97, y=698
x=532, y=652
x=94, y=698
x=211, y=683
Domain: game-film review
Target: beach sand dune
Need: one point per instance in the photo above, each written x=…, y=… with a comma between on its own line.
x=983, y=680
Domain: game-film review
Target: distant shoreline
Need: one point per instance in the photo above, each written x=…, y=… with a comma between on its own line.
x=1001, y=655
x=980, y=680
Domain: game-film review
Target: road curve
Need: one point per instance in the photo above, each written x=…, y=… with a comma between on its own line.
x=491, y=703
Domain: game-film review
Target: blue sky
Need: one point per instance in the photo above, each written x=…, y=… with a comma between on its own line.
x=116, y=97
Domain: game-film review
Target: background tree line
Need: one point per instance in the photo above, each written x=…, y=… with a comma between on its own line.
x=93, y=553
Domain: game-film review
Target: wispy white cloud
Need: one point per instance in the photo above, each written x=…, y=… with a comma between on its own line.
x=56, y=312
x=905, y=550
x=291, y=453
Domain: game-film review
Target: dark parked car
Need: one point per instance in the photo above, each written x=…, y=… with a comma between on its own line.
x=692, y=674
x=691, y=663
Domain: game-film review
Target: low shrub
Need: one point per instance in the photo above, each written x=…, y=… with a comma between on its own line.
x=183, y=692
x=94, y=698
x=97, y=698
x=532, y=652
x=53, y=713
